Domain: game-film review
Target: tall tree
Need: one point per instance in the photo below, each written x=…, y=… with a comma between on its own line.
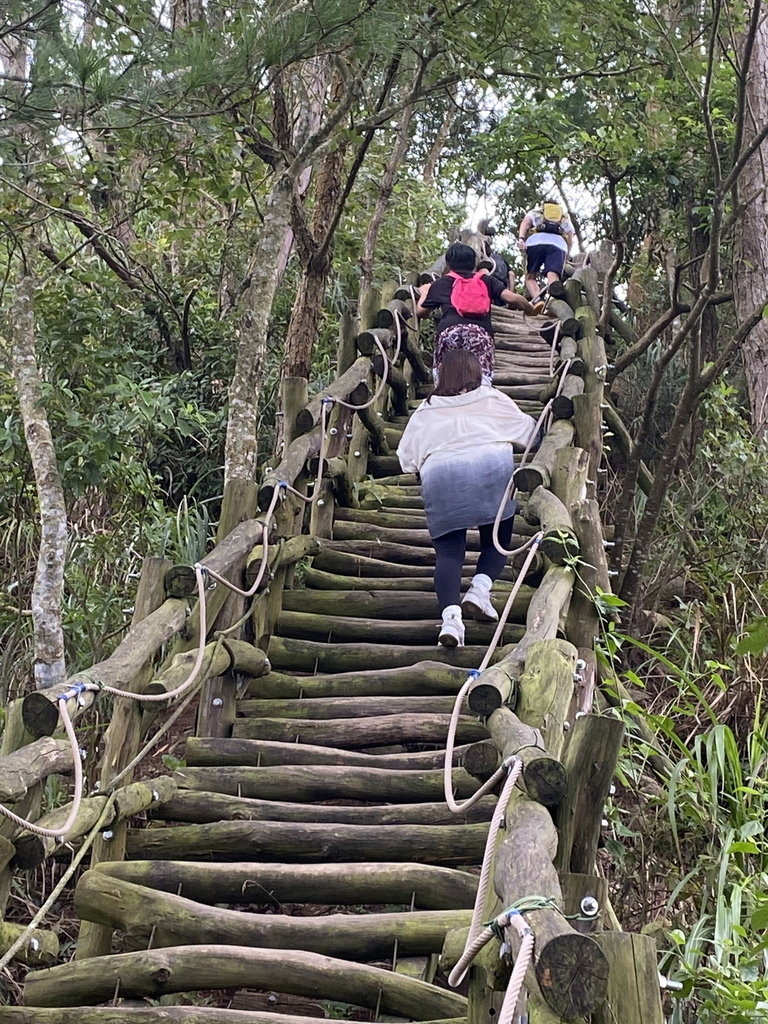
x=750, y=243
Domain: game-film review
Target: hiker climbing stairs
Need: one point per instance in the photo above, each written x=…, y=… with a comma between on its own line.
x=305, y=854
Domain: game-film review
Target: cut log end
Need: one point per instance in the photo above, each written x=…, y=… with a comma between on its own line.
x=484, y=700
x=545, y=780
x=572, y=972
x=40, y=715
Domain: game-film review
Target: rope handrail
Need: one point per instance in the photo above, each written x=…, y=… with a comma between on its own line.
x=201, y=572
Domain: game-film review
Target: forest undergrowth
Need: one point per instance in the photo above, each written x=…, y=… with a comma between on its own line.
x=687, y=851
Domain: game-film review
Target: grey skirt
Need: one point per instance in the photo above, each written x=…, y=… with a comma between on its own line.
x=461, y=492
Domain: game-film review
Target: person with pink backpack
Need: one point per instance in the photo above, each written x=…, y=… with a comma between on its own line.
x=464, y=298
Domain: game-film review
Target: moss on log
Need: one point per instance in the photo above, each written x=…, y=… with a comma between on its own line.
x=312, y=656
x=543, y=777
x=24, y=768
x=426, y=886
x=349, y=629
x=547, y=608
x=358, y=733
x=307, y=783
x=145, y=1014
x=40, y=709
x=194, y=968
x=538, y=470
x=32, y=849
x=41, y=948
x=342, y=387
x=559, y=543
x=546, y=690
x=400, y=604
x=347, y=707
x=202, y=808
x=583, y=618
x=449, y=845
x=210, y=752
x=570, y=969
x=165, y=919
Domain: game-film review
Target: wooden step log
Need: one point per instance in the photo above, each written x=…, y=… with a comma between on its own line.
x=410, y=536
x=307, y=783
x=122, y=1013
x=203, y=808
x=334, y=560
x=310, y=656
x=383, y=465
x=448, y=845
x=160, y=972
x=397, y=517
x=518, y=391
x=393, y=551
x=163, y=919
x=520, y=345
x=315, y=579
x=404, y=604
x=385, y=491
x=518, y=378
x=398, y=480
x=369, y=500
x=418, y=679
x=359, y=733
x=348, y=629
x=423, y=886
x=205, y=751
x=348, y=707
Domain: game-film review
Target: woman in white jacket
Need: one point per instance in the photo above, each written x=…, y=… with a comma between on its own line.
x=460, y=442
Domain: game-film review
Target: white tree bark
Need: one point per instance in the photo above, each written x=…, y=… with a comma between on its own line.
x=750, y=272
x=49, y=665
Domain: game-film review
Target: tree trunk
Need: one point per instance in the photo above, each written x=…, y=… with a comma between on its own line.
x=385, y=194
x=49, y=579
x=241, y=448
x=750, y=249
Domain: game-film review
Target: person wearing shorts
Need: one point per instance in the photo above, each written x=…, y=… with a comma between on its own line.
x=545, y=250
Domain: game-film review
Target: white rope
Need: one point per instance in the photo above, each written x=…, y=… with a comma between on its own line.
x=524, y=955
x=511, y=489
x=553, y=347
x=457, y=808
x=514, y=768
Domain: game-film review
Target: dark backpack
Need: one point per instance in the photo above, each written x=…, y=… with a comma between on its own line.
x=469, y=295
x=500, y=268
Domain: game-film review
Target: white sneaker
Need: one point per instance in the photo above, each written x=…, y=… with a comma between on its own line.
x=476, y=604
x=452, y=628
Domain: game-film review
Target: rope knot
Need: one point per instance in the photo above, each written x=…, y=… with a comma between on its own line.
x=473, y=673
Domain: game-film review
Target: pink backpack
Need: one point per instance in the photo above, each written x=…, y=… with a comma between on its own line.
x=469, y=295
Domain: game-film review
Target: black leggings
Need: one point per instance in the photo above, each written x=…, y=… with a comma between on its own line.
x=450, y=550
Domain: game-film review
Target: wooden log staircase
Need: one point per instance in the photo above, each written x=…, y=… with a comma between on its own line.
x=302, y=863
